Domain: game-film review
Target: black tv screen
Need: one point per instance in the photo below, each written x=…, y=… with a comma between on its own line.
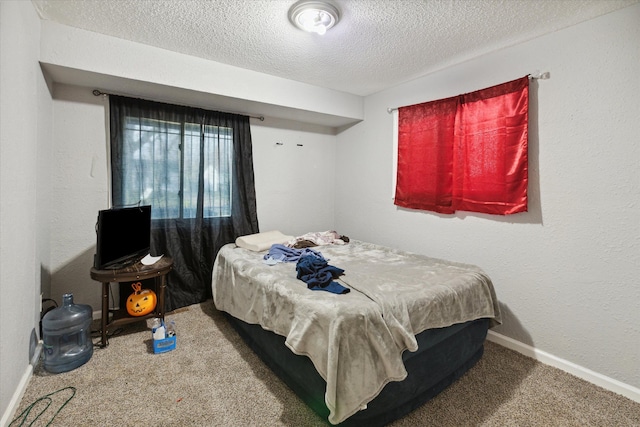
x=123, y=236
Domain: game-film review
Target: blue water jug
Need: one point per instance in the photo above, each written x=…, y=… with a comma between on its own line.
x=66, y=332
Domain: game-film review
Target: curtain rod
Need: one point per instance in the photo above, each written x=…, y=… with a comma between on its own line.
x=97, y=92
x=536, y=75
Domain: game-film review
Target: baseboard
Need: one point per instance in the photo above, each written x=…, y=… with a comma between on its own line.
x=603, y=381
x=14, y=403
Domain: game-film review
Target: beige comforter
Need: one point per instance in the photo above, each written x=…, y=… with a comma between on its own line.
x=355, y=340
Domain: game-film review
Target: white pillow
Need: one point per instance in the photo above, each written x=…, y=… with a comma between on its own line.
x=262, y=241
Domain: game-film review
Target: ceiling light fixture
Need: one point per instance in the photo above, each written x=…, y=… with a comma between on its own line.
x=314, y=16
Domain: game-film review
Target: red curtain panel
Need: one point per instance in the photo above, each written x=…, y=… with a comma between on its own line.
x=467, y=152
x=425, y=155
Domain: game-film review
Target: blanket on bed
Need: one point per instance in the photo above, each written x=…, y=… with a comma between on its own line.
x=355, y=340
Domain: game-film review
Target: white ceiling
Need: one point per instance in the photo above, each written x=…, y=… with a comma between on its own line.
x=376, y=45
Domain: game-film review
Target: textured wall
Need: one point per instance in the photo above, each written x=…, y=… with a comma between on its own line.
x=294, y=183
x=566, y=272
x=25, y=113
x=79, y=189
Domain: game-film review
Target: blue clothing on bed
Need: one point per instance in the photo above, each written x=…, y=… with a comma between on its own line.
x=282, y=253
x=318, y=275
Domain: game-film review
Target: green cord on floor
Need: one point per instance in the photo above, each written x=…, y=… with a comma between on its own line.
x=46, y=398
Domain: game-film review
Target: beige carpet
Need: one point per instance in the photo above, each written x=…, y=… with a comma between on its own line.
x=213, y=379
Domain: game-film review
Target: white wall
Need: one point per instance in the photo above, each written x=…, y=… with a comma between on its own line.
x=25, y=165
x=294, y=183
x=566, y=272
x=79, y=190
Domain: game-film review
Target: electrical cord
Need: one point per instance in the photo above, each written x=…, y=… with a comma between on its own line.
x=46, y=398
x=45, y=311
x=50, y=300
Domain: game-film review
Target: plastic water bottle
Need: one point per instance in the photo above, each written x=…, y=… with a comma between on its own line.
x=66, y=334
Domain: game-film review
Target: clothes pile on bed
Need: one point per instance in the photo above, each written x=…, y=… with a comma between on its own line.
x=311, y=267
x=355, y=340
x=320, y=238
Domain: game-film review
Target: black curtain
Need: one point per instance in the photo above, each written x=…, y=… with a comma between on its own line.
x=195, y=168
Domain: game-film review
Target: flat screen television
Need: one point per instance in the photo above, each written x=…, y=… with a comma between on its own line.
x=123, y=236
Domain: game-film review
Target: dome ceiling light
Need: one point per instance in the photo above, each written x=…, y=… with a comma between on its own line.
x=314, y=16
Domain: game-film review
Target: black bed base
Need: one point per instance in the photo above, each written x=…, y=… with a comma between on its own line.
x=443, y=356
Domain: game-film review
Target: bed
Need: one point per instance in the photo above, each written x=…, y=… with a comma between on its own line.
x=409, y=326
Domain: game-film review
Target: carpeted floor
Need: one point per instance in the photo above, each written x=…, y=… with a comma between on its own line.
x=213, y=379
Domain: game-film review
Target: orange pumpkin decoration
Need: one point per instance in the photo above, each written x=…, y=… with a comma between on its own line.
x=142, y=301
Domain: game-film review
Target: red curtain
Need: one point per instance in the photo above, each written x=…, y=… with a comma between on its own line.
x=425, y=156
x=467, y=152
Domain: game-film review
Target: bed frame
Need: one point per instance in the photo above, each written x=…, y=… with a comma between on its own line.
x=443, y=356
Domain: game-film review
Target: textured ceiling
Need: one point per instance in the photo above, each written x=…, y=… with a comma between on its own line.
x=377, y=43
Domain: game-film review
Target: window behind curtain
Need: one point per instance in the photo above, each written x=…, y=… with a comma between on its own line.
x=162, y=167
x=195, y=168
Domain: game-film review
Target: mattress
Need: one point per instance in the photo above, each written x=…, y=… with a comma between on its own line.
x=444, y=355
x=356, y=341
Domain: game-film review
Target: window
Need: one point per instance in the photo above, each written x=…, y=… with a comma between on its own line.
x=195, y=168
x=161, y=162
